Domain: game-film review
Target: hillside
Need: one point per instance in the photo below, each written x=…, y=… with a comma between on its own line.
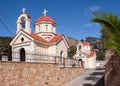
x=71, y=41
x=98, y=46
x=95, y=42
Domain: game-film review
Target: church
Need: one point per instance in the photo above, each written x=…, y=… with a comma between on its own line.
x=85, y=55
x=44, y=41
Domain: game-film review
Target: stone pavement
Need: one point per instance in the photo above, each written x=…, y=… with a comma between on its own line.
x=91, y=77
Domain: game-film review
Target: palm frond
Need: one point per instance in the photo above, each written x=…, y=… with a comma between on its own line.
x=111, y=24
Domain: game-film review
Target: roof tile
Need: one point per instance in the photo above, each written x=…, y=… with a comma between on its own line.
x=45, y=18
x=91, y=54
x=55, y=39
x=85, y=43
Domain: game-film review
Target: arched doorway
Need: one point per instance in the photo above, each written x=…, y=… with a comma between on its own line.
x=81, y=62
x=22, y=54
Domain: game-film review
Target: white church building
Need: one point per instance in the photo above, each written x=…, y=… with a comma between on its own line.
x=85, y=55
x=28, y=45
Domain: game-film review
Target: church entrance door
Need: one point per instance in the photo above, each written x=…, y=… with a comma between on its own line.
x=81, y=63
x=22, y=54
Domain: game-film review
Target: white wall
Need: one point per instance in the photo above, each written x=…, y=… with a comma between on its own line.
x=29, y=50
x=42, y=28
x=91, y=62
x=62, y=47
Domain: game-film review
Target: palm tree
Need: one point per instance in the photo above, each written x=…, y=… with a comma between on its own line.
x=110, y=29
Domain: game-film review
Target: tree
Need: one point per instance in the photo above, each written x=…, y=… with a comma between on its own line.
x=100, y=55
x=5, y=47
x=72, y=51
x=110, y=29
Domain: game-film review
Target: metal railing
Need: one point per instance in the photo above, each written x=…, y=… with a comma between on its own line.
x=73, y=63
x=29, y=57
x=43, y=58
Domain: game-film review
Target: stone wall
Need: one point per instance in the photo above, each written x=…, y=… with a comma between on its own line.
x=35, y=74
x=112, y=75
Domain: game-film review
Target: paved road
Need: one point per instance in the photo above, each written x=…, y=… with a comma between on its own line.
x=89, y=78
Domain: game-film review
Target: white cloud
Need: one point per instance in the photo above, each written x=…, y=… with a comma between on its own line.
x=94, y=8
x=88, y=25
x=91, y=9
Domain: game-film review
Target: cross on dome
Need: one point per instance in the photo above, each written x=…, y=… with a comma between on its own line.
x=23, y=10
x=44, y=12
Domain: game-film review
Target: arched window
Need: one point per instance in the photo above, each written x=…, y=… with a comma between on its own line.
x=39, y=27
x=61, y=56
x=46, y=26
x=22, y=54
x=79, y=47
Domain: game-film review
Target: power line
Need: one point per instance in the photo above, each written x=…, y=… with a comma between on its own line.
x=4, y=24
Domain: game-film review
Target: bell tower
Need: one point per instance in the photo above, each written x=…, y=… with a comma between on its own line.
x=23, y=22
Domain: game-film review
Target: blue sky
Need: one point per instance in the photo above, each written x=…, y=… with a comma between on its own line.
x=72, y=16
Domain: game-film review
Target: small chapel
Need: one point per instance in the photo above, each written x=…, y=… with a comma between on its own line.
x=85, y=55
x=28, y=46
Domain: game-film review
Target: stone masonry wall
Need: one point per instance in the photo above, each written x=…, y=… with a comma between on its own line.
x=35, y=74
x=112, y=75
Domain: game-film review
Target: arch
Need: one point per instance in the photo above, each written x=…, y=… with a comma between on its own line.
x=61, y=56
x=46, y=27
x=23, y=22
x=79, y=47
x=27, y=17
x=81, y=62
x=22, y=54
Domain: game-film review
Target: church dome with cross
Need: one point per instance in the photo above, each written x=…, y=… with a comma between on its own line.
x=45, y=23
x=44, y=18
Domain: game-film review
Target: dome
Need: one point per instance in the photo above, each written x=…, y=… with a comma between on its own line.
x=45, y=18
x=85, y=43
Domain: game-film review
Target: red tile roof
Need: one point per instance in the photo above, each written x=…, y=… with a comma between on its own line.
x=45, y=18
x=36, y=37
x=85, y=43
x=91, y=54
x=55, y=39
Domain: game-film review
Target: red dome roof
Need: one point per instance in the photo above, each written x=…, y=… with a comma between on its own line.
x=85, y=43
x=45, y=18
